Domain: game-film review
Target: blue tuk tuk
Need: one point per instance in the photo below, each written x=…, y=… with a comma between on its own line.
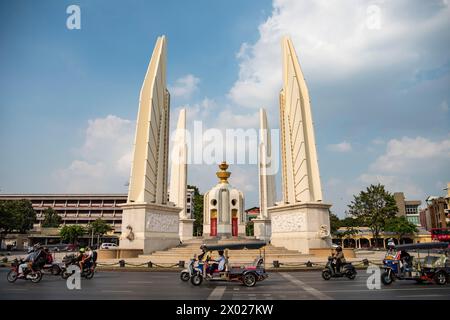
x=422, y=262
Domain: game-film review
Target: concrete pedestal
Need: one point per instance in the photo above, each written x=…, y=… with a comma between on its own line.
x=262, y=229
x=301, y=226
x=149, y=227
x=186, y=229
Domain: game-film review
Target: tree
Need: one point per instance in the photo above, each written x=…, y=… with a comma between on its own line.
x=16, y=216
x=51, y=219
x=335, y=223
x=71, y=233
x=249, y=229
x=98, y=227
x=348, y=232
x=374, y=207
x=400, y=226
x=198, y=211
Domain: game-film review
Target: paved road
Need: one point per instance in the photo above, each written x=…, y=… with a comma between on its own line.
x=166, y=285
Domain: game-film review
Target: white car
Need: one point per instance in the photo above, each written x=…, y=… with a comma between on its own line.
x=108, y=245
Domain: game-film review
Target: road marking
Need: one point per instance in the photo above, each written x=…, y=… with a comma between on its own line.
x=217, y=293
x=422, y=296
x=117, y=291
x=384, y=290
x=314, y=292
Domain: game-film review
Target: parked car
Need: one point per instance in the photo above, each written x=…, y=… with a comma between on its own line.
x=107, y=245
x=72, y=247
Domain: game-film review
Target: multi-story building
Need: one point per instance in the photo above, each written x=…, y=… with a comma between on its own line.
x=437, y=212
x=76, y=208
x=84, y=208
x=408, y=208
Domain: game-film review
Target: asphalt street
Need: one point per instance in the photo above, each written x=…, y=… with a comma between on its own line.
x=167, y=285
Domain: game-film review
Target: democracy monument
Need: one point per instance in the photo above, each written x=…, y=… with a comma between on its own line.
x=154, y=220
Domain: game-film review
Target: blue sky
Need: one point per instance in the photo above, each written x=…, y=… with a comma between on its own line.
x=379, y=90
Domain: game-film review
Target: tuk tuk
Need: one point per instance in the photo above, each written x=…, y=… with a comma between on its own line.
x=248, y=275
x=422, y=262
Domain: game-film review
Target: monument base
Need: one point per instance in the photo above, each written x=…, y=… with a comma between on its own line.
x=149, y=227
x=262, y=229
x=186, y=229
x=301, y=226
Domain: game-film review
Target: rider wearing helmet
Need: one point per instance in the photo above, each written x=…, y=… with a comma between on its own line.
x=80, y=257
x=339, y=258
x=391, y=253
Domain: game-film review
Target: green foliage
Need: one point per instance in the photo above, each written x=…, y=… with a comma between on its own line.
x=198, y=211
x=249, y=229
x=51, y=219
x=71, y=233
x=347, y=233
x=98, y=227
x=400, y=226
x=374, y=207
x=16, y=215
x=349, y=222
x=335, y=223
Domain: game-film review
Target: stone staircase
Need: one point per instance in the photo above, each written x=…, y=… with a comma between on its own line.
x=187, y=250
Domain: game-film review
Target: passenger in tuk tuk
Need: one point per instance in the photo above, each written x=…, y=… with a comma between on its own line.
x=218, y=264
x=406, y=261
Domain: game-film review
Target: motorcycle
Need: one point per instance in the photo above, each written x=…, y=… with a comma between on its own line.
x=34, y=275
x=347, y=270
x=88, y=268
x=187, y=273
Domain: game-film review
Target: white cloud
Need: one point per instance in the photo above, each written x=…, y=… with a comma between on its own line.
x=410, y=165
x=406, y=155
x=340, y=147
x=444, y=106
x=393, y=184
x=334, y=40
x=185, y=86
x=103, y=162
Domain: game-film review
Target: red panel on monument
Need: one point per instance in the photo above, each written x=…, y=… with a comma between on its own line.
x=213, y=232
x=234, y=227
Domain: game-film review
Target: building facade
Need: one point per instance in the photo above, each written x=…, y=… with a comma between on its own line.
x=76, y=208
x=408, y=208
x=79, y=209
x=437, y=212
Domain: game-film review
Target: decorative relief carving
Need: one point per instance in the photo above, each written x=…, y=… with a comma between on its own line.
x=291, y=222
x=158, y=222
x=128, y=234
x=323, y=232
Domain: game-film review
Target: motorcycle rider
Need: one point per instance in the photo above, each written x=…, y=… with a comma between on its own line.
x=36, y=257
x=87, y=257
x=339, y=259
x=80, y=258
x=391, y=253
x=203, y=258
